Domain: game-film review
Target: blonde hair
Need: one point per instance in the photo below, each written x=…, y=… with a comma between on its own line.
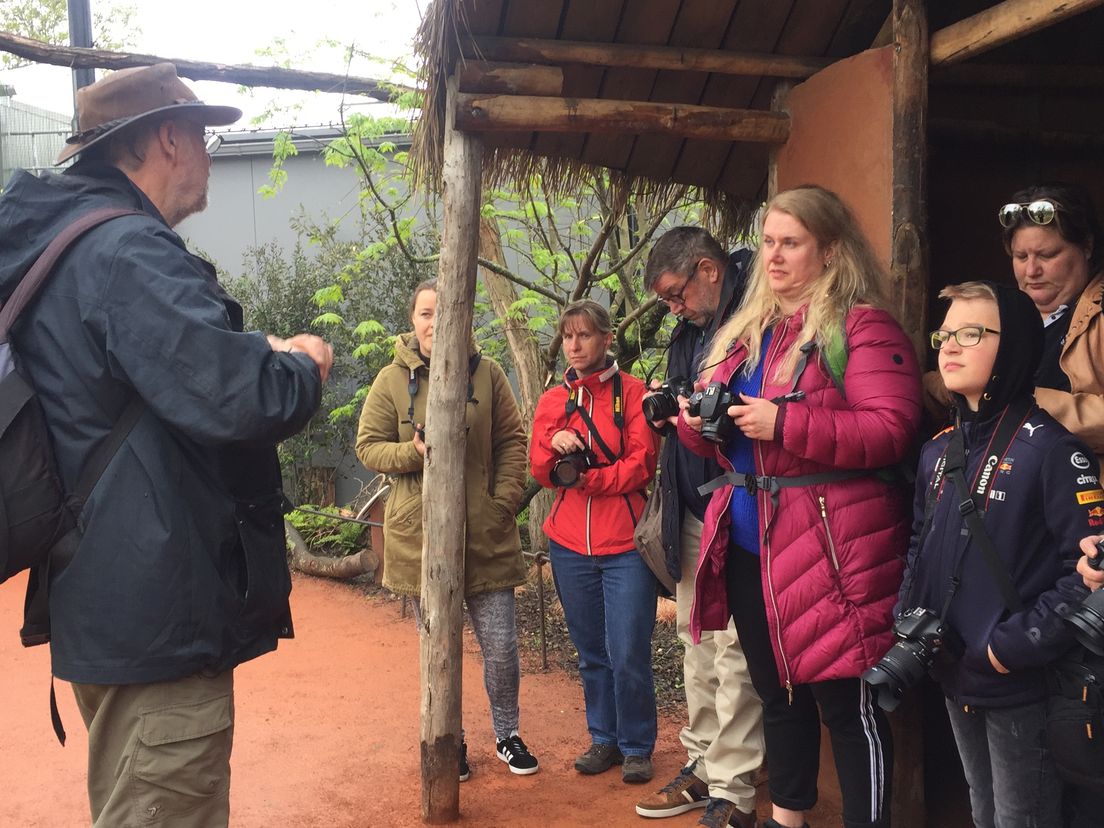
x=852, y=277
x=968, y=291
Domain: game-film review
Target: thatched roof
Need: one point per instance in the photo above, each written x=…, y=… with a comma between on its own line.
x=731, y=175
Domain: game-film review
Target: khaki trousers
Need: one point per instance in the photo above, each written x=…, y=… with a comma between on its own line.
x=724, y=736
x=159, y=754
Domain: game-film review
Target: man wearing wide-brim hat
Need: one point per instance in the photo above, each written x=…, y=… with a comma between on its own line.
x=179, y=569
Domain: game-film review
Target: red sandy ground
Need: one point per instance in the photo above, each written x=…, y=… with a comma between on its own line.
x=327, y=733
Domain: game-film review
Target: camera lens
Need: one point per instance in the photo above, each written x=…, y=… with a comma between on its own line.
x=902, y=667
x=660, y=406
x=1088, y=622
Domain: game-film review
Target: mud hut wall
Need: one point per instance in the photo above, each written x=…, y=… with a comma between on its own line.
x=841, y=137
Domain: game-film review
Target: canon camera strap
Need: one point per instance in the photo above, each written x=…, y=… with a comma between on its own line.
x=974, y=501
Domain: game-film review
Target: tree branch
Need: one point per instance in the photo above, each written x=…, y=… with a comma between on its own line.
x=275, y=77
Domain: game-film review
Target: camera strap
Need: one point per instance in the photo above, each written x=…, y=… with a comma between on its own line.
x=572, y=406
x=412, y=384
x=973, y=502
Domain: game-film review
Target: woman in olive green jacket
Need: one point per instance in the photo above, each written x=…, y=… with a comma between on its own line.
x=390, y=441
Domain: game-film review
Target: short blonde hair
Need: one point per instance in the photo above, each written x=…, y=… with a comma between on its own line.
x=968, y=291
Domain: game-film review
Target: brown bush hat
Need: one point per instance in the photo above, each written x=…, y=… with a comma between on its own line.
x=129, y=95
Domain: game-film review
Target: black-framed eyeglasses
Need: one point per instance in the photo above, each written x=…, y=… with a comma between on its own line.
x=680, y=295
x=211, y=141
x=967, y=336
x=1041, y=211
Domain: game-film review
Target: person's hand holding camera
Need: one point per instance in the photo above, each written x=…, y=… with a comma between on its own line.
x=756, y=418
x=1089, y=567
x=419, y=438
x=565, y=441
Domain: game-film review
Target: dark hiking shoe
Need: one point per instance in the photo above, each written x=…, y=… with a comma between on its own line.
x=599, y=759
x=465, y=769
x=683, y=793
x=720, y=813
x=514, y=753
x=636, y=770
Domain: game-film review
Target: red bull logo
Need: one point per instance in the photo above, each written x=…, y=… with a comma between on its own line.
x=1096, y=512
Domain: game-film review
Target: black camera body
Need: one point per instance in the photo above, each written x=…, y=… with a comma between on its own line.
x=664, y=402
x=1088, y=619
x=711, y=404
x=565, y=473
x=922, y=639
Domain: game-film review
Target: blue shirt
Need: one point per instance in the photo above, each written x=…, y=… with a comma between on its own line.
x=742, y=508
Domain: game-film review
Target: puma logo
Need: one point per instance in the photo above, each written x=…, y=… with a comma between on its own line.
x=1031, y=429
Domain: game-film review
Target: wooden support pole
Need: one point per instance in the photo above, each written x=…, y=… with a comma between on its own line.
x=519, y=113
x=999, y=24
x=631, y=56
x=444, y=510
x=510, y=78
x=781, y=91
x=276, y=77
x=909, y=294
x=909, y=258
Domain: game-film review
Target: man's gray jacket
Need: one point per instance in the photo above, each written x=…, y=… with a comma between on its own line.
x=181, y=567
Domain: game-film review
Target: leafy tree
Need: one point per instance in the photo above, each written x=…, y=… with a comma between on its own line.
x=48, y=21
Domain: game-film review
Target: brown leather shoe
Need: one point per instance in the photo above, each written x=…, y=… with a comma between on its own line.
x=720, y=813
x=598, y=759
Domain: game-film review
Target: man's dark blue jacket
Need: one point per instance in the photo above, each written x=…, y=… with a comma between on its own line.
x=1044, y=498
x=182, y=566
x=680, y=470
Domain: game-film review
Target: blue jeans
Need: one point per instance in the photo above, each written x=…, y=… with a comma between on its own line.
x=609, y=604
x=1013, y=781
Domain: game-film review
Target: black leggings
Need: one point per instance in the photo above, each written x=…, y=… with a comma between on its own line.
x=861, y=741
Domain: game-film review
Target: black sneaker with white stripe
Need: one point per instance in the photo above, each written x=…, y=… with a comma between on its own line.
x=514, y=753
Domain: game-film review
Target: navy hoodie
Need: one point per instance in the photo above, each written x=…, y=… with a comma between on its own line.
x=1045, y=497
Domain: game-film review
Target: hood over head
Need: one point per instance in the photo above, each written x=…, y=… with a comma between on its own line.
x=1018, y=354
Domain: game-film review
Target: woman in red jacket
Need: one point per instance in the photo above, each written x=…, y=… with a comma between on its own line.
x=592, y=444
x=804, y=539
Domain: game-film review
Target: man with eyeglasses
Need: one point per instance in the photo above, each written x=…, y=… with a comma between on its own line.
x=700, y=283
x=179, y=571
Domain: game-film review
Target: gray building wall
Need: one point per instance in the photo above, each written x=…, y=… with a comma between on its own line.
x=30, y=137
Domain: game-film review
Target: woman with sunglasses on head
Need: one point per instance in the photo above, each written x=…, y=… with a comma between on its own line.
x=592, y=444
x=1052, y=233
x=391, y=440
x=804, y=539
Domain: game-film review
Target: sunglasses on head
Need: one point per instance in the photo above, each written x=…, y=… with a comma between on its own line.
x=1041, y=211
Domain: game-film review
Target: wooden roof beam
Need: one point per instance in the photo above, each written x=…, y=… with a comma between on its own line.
x=510, y=78
x=629, y=56
x=521, y=113
x=1000, y=24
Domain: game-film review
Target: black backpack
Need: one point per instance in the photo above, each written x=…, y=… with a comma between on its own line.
x=38, y=521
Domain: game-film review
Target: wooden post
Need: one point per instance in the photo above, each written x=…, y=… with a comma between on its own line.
x=909, y=291
x=778, y=104
x=444, y=509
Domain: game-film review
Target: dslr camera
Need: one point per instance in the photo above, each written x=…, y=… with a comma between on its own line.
x=1088, y=619
x=711, y=404
x=922, y=637
x=664, y=402
x=565, y=473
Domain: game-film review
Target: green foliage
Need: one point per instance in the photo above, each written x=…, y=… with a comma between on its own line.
x=328, y=534
x=113, y=25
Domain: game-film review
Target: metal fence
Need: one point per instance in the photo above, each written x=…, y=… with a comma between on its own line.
x=30, y=137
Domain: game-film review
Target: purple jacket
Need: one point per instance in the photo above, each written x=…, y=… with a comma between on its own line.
x=832, y=553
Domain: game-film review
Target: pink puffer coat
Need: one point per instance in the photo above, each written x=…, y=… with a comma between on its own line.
x=831, y=553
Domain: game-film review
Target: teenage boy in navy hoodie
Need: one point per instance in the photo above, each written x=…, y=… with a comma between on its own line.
x=1033, y=484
